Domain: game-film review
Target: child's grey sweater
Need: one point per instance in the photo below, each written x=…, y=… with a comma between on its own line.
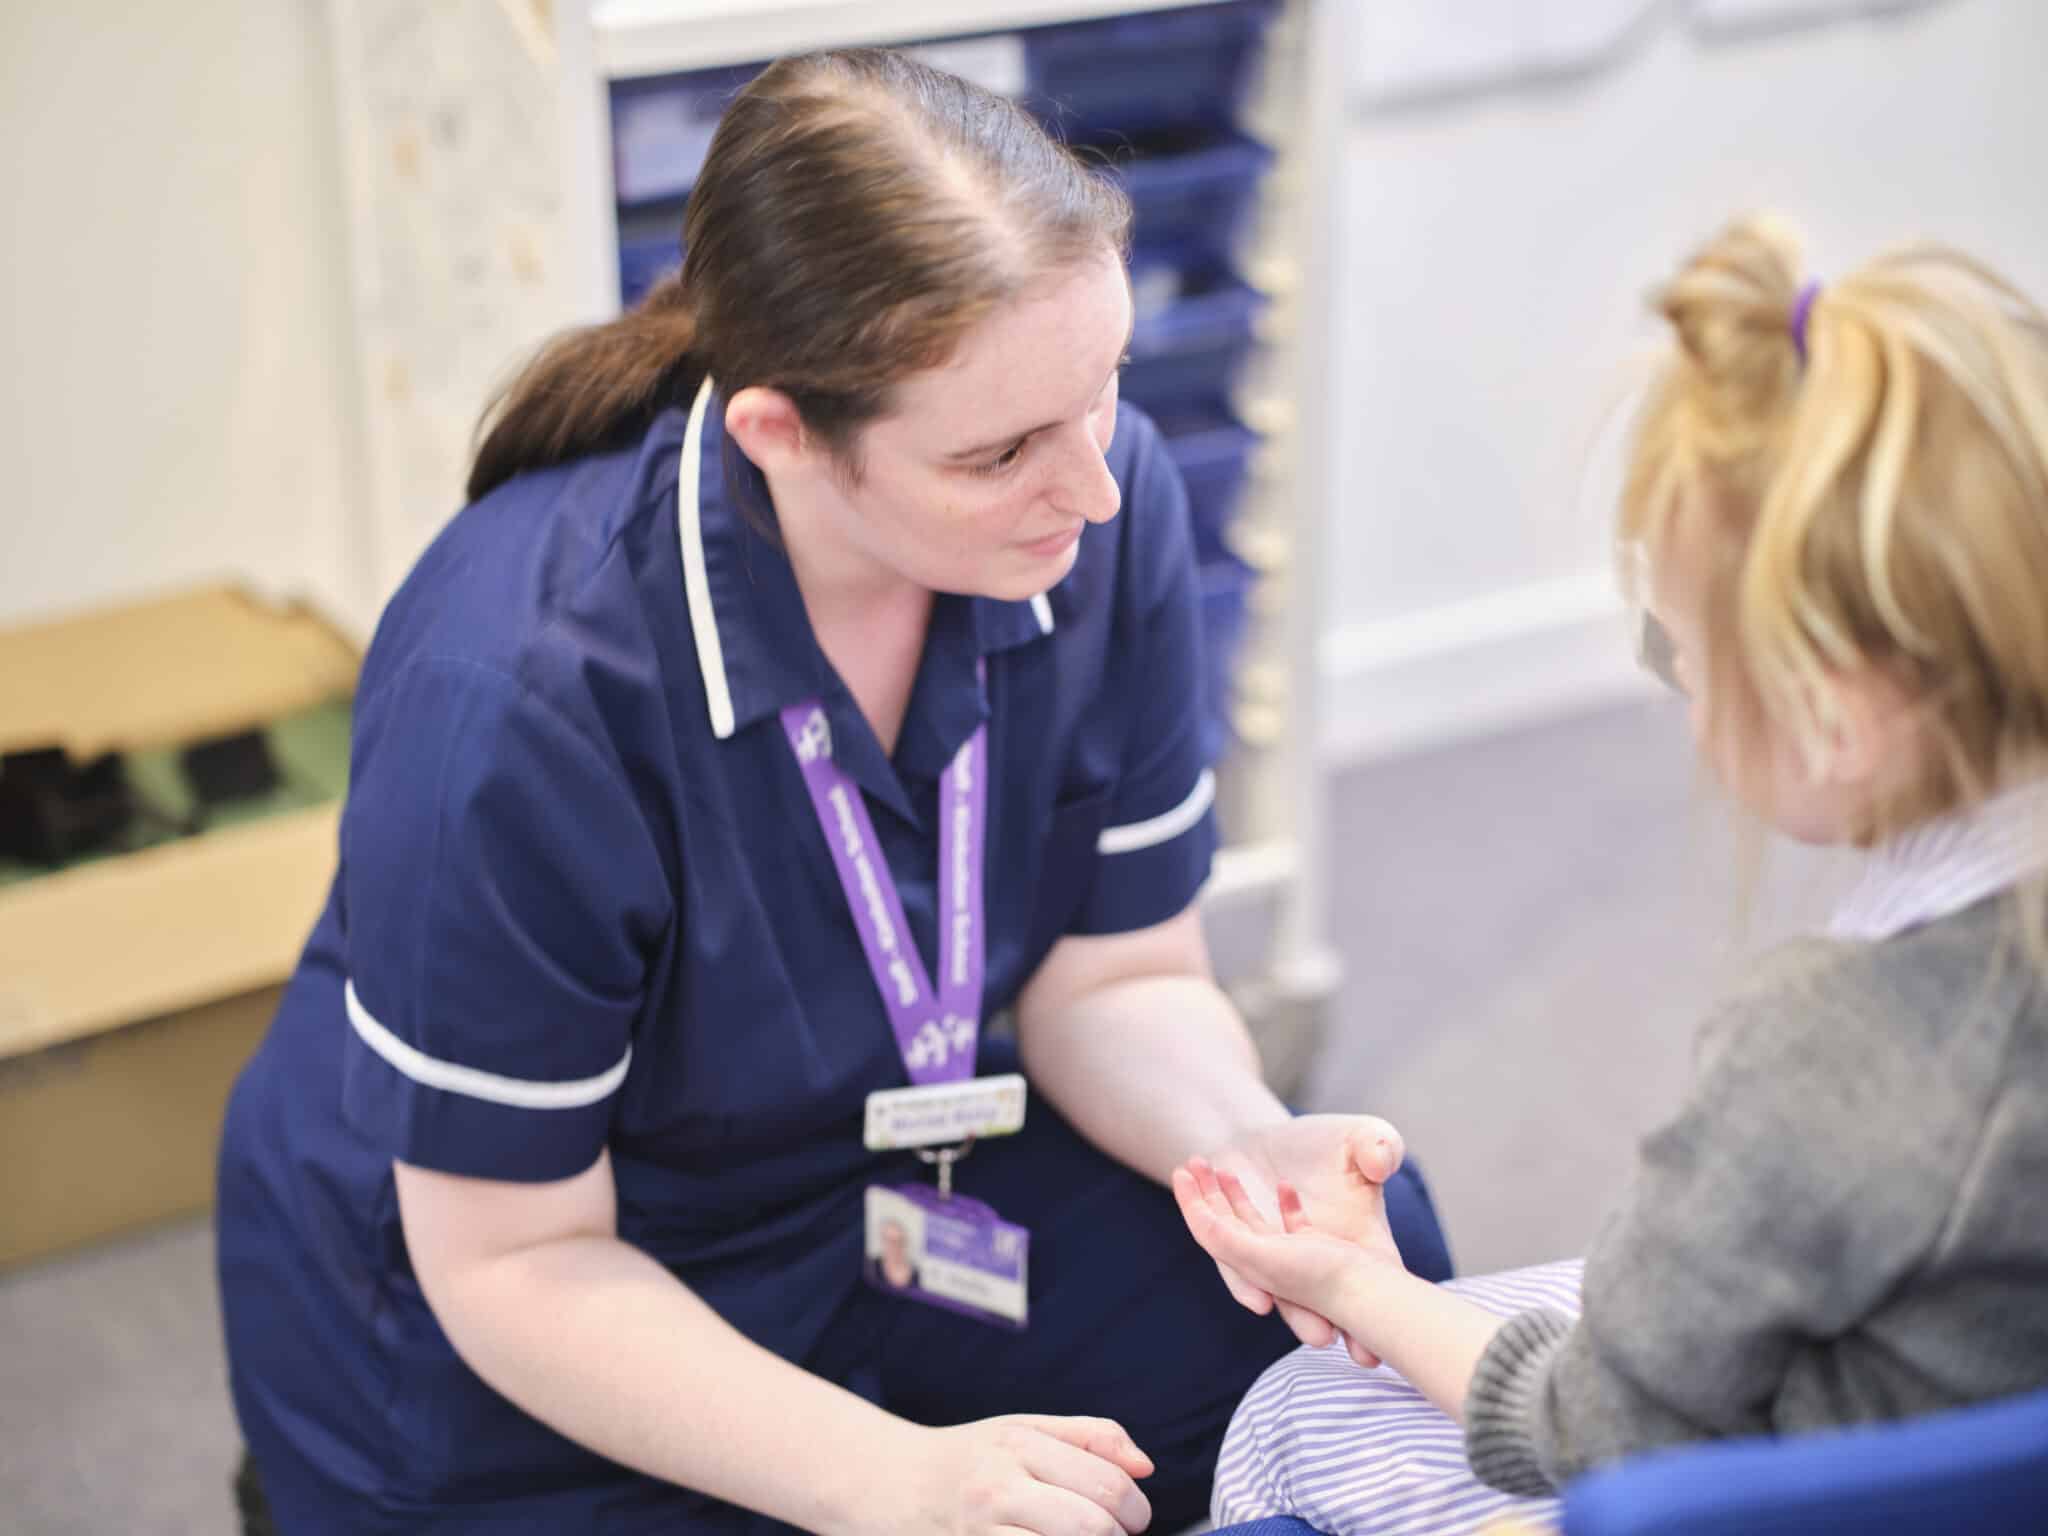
x=1847, y=1221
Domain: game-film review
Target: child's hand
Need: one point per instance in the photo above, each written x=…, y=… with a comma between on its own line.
x=1339, y=1166
x=1298, y=1264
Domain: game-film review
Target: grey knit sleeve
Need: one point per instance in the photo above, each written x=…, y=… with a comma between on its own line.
x=1808, y=1171
x=1499, y=1406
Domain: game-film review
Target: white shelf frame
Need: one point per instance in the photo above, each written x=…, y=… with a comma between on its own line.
x=657, y=37
x=1267, y=905
x=1267, y=902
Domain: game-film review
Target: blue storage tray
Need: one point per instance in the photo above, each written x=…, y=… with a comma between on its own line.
x=1191, y=194
x=661, y=130
x=1140, y=74
x=650, y=245
x=1213, y=451
x=1189, y=352
x=1226, y=586
x=1162, y=86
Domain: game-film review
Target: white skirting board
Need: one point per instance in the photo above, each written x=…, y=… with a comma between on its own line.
x=1474, y=667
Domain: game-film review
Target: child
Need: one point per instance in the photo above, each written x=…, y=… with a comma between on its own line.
x=1838, y=501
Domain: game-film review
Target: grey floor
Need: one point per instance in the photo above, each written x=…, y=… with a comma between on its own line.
x=1532, y=925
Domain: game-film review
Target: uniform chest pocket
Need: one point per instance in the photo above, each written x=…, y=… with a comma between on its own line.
x=1066, y=866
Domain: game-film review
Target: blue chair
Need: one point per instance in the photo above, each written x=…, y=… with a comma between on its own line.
x=1976, y=1470
x=1980, y=1469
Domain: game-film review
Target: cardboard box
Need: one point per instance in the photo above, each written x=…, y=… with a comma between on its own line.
x=133, y=988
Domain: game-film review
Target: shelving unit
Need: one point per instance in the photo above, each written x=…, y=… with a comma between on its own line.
x=436, y=102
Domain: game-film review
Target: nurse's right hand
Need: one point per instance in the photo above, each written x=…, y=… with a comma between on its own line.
x=1027, y=1474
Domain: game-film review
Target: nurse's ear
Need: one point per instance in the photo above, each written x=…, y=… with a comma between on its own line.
x=769, y=430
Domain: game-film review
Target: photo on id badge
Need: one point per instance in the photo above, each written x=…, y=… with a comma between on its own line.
x=949, y=1252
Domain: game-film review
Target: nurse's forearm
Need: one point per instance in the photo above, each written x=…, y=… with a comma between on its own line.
x=1153, y=1069
x=597, y=1340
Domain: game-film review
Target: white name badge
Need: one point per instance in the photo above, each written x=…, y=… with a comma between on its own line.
x=941, y=1114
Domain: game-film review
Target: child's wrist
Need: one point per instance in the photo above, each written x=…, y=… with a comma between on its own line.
x=1367, y=1297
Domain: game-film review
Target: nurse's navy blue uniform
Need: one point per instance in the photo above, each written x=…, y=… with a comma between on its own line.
x=583, y=905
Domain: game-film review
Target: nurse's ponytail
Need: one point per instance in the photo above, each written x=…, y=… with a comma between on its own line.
x=857, y=213
x=588, y=388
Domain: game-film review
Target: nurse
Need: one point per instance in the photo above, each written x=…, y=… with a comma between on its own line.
x=790, y=702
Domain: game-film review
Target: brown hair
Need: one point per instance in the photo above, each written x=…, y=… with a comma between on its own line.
x=1876, y=493
x=857, y=213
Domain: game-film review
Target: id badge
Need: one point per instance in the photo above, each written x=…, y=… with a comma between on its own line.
x=943, y=1114
x=949, y=1252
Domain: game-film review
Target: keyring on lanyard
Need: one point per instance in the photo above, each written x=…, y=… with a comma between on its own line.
x=943, y=1158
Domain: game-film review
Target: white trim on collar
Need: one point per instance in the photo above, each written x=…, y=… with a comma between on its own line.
x=1041, y=605
x=1937, y=869
x=696, y=583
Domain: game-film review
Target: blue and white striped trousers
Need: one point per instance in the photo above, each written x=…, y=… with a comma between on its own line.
x=1362, y=1453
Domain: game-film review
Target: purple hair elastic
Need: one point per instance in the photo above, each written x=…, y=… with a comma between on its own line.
x=1801, y=308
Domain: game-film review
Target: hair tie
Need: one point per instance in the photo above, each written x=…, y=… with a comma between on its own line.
x=1801, y=308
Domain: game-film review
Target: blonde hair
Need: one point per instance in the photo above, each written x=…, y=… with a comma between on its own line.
x=1872, y=465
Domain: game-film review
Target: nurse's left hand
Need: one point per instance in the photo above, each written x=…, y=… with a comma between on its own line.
x=1338, y=1163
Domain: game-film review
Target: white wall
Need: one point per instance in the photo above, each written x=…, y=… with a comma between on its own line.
x=1495, y=254
x=178, y=390
x=176, y=399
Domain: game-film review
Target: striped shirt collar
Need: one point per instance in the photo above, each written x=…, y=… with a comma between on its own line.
x=1945, y=865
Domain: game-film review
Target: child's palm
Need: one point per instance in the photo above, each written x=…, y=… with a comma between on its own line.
x=1298, y=1264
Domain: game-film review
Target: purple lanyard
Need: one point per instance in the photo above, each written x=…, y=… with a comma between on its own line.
x=936, y=1028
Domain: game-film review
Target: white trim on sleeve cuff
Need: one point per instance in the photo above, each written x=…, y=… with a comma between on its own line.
x=1163, y=828
x=513, y=1092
